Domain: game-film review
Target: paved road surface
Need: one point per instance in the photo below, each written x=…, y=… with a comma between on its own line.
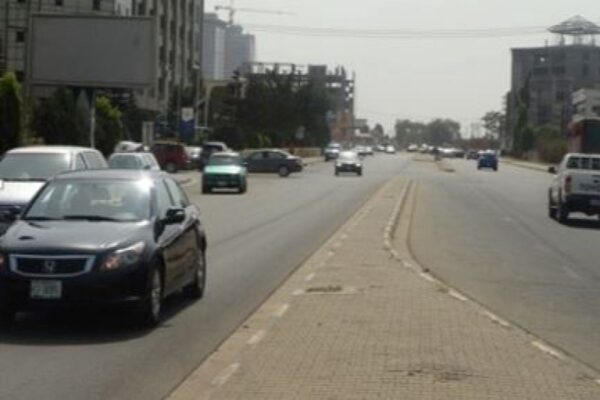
x=255, y=241
x=489, y=234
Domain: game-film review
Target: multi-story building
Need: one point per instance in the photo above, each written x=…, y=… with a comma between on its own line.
x=178, y=62
x=213, y=48
x=239, y=49
x=546, y=76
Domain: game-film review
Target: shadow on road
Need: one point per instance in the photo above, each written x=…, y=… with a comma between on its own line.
x=83, y=327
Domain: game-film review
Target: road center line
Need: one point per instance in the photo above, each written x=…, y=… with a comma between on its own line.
x=309, y=277
x=257, y=337
x=281, y=310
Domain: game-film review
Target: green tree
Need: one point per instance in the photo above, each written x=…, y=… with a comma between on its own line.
x=408, y=132
x=10, y=112
x=109, y=126
x=442, y=131
x=492, y=123
x=58, y=120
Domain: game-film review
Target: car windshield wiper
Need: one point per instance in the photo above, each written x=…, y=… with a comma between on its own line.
x=91, y=218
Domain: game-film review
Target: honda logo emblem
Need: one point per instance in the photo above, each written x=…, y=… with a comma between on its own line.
x=49, y=266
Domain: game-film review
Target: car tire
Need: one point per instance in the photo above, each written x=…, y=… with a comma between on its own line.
x=150, y=308
x=243, y=188
x=562, y=212
x=496, y=169
x=337, y=173
x=283, y=171
x=171, y=168
x=206, y=189
x=7, y=317
x=359, y=173
x=195, y=290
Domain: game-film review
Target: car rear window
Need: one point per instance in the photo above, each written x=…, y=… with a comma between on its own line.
x=587, y=163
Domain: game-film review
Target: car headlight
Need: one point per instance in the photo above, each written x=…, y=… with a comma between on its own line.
x=358, y=164
x=123, y=257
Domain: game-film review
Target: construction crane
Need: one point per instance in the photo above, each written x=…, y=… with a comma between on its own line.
x=231, y=9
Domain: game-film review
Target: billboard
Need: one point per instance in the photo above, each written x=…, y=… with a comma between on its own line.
x=92, y=51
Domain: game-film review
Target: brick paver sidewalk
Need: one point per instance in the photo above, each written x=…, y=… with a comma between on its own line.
x=359, y=321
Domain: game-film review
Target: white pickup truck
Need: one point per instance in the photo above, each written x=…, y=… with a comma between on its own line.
x=575, y=187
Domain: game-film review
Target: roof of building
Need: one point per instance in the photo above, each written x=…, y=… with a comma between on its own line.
x=576, y=25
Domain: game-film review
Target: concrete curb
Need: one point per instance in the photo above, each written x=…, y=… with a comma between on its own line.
x=526, y=165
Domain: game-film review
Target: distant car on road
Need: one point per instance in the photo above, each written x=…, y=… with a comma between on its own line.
x=224, y=171
x=208, y=149
x=390, y=149
x=412, y=148
x=143, y=161
x=112, y=237
x=24, y=170
x=488, y=160
x=369, y=150
x=273, y=160
x=194, y=154
x=575, y=187
x=361, y=151
x=332, y=151
x=348, y=161
x=472, y=155
x=171, y=156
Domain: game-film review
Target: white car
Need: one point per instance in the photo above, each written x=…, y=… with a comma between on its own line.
x=575, y=186
x=390, y=149
x=24, y=170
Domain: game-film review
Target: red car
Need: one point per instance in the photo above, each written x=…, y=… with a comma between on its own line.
x=171, y=156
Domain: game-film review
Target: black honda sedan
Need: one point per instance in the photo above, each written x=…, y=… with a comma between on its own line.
x=111, y=237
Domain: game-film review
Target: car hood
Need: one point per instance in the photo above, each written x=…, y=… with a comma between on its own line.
x=18, y=193
x=71, y=236
x=223, y=169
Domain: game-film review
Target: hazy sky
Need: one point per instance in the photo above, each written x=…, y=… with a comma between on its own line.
x=413, y=78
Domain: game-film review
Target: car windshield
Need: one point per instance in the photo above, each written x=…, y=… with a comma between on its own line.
x=33, y=166
x=93, y=200
x=125, y=162
x=348, y=156
x=225, y=160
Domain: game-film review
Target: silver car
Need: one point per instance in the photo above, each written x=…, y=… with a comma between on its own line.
x=24, y=170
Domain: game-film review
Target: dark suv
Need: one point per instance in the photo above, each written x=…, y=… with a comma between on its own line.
x=171, y=156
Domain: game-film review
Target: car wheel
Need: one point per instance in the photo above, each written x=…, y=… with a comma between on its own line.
x=195, y=290
x=7, y=317
x=150, y=308
x=563, y=212
x=283, y=171
x=243, y=187
x=496, y=169
x=171, y=168
x=337, y=173
x=206, y=189
x=359, y=173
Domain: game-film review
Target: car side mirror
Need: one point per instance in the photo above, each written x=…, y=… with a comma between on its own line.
x=552, y=170
x=175, y=215
x=12, y=214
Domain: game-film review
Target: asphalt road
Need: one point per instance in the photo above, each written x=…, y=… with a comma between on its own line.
x=489, y=235
x=255, y=241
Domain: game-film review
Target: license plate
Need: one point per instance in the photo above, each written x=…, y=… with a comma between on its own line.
x=595, y=202
x=46, y=289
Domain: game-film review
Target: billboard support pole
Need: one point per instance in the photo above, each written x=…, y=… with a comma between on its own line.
x=91, y=97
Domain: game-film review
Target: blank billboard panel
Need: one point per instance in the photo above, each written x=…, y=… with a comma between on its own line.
x=93, y=51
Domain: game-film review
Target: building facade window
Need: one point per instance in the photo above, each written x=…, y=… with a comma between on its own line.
x=20, y=36
x=58, y=3
x=96, y=5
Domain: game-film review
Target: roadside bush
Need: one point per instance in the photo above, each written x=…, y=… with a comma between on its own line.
x=549, y=143
x=109, y=126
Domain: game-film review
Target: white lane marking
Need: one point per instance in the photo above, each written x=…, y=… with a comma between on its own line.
x=224, y=376
x=427, y=277
x=457, y=295
x=309, y=277
x=298, y=292
x=569, y=271
x=281, y=310
x=547, y=349
x=257, y=337
x=496, y=319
